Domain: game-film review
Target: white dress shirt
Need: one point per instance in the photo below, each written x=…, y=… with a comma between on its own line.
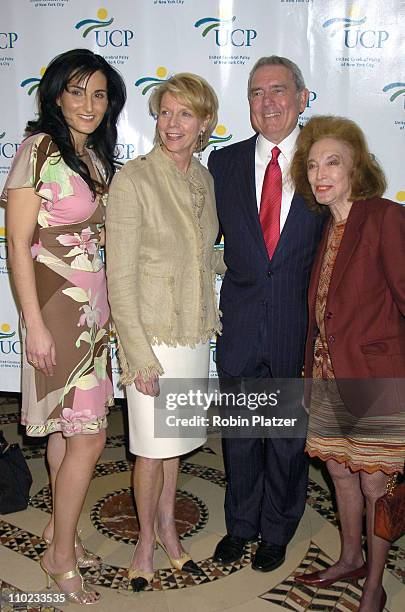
x=262, y=158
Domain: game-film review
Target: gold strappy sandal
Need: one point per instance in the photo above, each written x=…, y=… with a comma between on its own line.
x=87, y=559
x=77, y=597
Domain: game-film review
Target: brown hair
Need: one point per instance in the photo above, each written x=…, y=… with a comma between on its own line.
x=367, y=180
x=193, y=91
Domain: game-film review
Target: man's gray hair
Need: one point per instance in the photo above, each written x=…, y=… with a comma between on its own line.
x=277, y=60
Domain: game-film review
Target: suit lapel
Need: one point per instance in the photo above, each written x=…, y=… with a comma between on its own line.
x=351, y=237
x=247, y=173
x=293, y=218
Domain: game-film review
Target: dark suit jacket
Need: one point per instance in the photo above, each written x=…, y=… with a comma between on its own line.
x=365, y=309
x=255, y=287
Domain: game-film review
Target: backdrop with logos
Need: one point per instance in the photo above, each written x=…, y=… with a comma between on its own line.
x=351, y=55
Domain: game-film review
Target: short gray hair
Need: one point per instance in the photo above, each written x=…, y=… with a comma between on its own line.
x=277, y=60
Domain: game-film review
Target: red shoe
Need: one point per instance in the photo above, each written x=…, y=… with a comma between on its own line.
x=315, y=579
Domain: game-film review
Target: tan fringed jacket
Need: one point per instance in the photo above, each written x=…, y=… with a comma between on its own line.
x=161, y=226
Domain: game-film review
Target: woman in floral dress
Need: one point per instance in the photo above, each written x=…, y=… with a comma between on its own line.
x=55, y=196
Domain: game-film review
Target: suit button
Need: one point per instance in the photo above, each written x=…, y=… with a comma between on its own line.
x=263, y=302
x=329, y=315
x=331, y=338
x=269, y=273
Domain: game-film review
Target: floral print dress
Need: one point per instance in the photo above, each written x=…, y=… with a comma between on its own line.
x=71, y=288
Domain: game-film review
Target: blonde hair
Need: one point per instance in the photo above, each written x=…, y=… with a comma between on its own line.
x=367, y=177
x=194, y=92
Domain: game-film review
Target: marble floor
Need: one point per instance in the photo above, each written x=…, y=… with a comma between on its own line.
x=109, y=528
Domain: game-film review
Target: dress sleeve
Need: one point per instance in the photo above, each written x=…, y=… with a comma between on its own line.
x=29, y=166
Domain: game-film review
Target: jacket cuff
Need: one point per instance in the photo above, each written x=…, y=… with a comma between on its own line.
x=128, y=376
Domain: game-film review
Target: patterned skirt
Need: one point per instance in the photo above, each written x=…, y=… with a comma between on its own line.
x=369, y=443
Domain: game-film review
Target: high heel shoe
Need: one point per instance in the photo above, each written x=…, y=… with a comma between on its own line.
x=139, y=579
x=183, y=563
x=78, y=597
x=87, y=559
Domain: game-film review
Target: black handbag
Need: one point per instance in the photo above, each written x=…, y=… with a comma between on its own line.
x=15, y=478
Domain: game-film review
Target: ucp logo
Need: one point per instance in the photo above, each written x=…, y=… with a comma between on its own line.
x=151, y=81
x=3, y=244
x=9, y=344
x=219, y=137
x=224, y=33
x=311, y=98
x=8, y=151
x=33, y=82
x=8, y=39
x=124, y=151
x=396, y=89
x=104, y=36
x=354, y=35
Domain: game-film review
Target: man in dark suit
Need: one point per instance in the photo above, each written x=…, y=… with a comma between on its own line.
x=264, y=306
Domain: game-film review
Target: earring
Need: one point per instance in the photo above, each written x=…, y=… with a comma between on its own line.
x=200, y=145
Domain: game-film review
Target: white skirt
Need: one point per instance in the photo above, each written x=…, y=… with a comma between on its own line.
x=177, y=362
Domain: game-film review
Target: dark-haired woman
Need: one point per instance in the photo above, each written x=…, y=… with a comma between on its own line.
x=55, y=196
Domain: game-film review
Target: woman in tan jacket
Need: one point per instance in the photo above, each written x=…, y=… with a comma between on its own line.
x=161, y=228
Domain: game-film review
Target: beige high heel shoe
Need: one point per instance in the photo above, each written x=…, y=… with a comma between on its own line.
x=87, y=559
x=183, y=563
x=77, y=597
x=139, y=579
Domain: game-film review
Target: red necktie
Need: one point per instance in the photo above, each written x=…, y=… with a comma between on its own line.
x=270, y=202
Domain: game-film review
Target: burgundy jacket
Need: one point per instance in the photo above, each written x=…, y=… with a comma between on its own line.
x=365, y=309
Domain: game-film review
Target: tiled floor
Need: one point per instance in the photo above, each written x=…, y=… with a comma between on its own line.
x=109, y=528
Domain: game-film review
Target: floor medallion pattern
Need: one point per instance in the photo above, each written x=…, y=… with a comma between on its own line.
x=114, y=515
x=318, y=498
x=32, y=546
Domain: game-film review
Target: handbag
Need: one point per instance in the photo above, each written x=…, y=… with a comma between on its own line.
x=15, y=478
x=389, y=518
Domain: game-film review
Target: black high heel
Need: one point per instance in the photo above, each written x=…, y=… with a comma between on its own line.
x=183, y=563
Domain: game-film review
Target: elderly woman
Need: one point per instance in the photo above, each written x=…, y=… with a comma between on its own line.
x=356, y=331
x=161, y=227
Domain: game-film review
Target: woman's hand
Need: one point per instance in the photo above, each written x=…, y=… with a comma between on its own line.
x=40, y=349
x=149, y=387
